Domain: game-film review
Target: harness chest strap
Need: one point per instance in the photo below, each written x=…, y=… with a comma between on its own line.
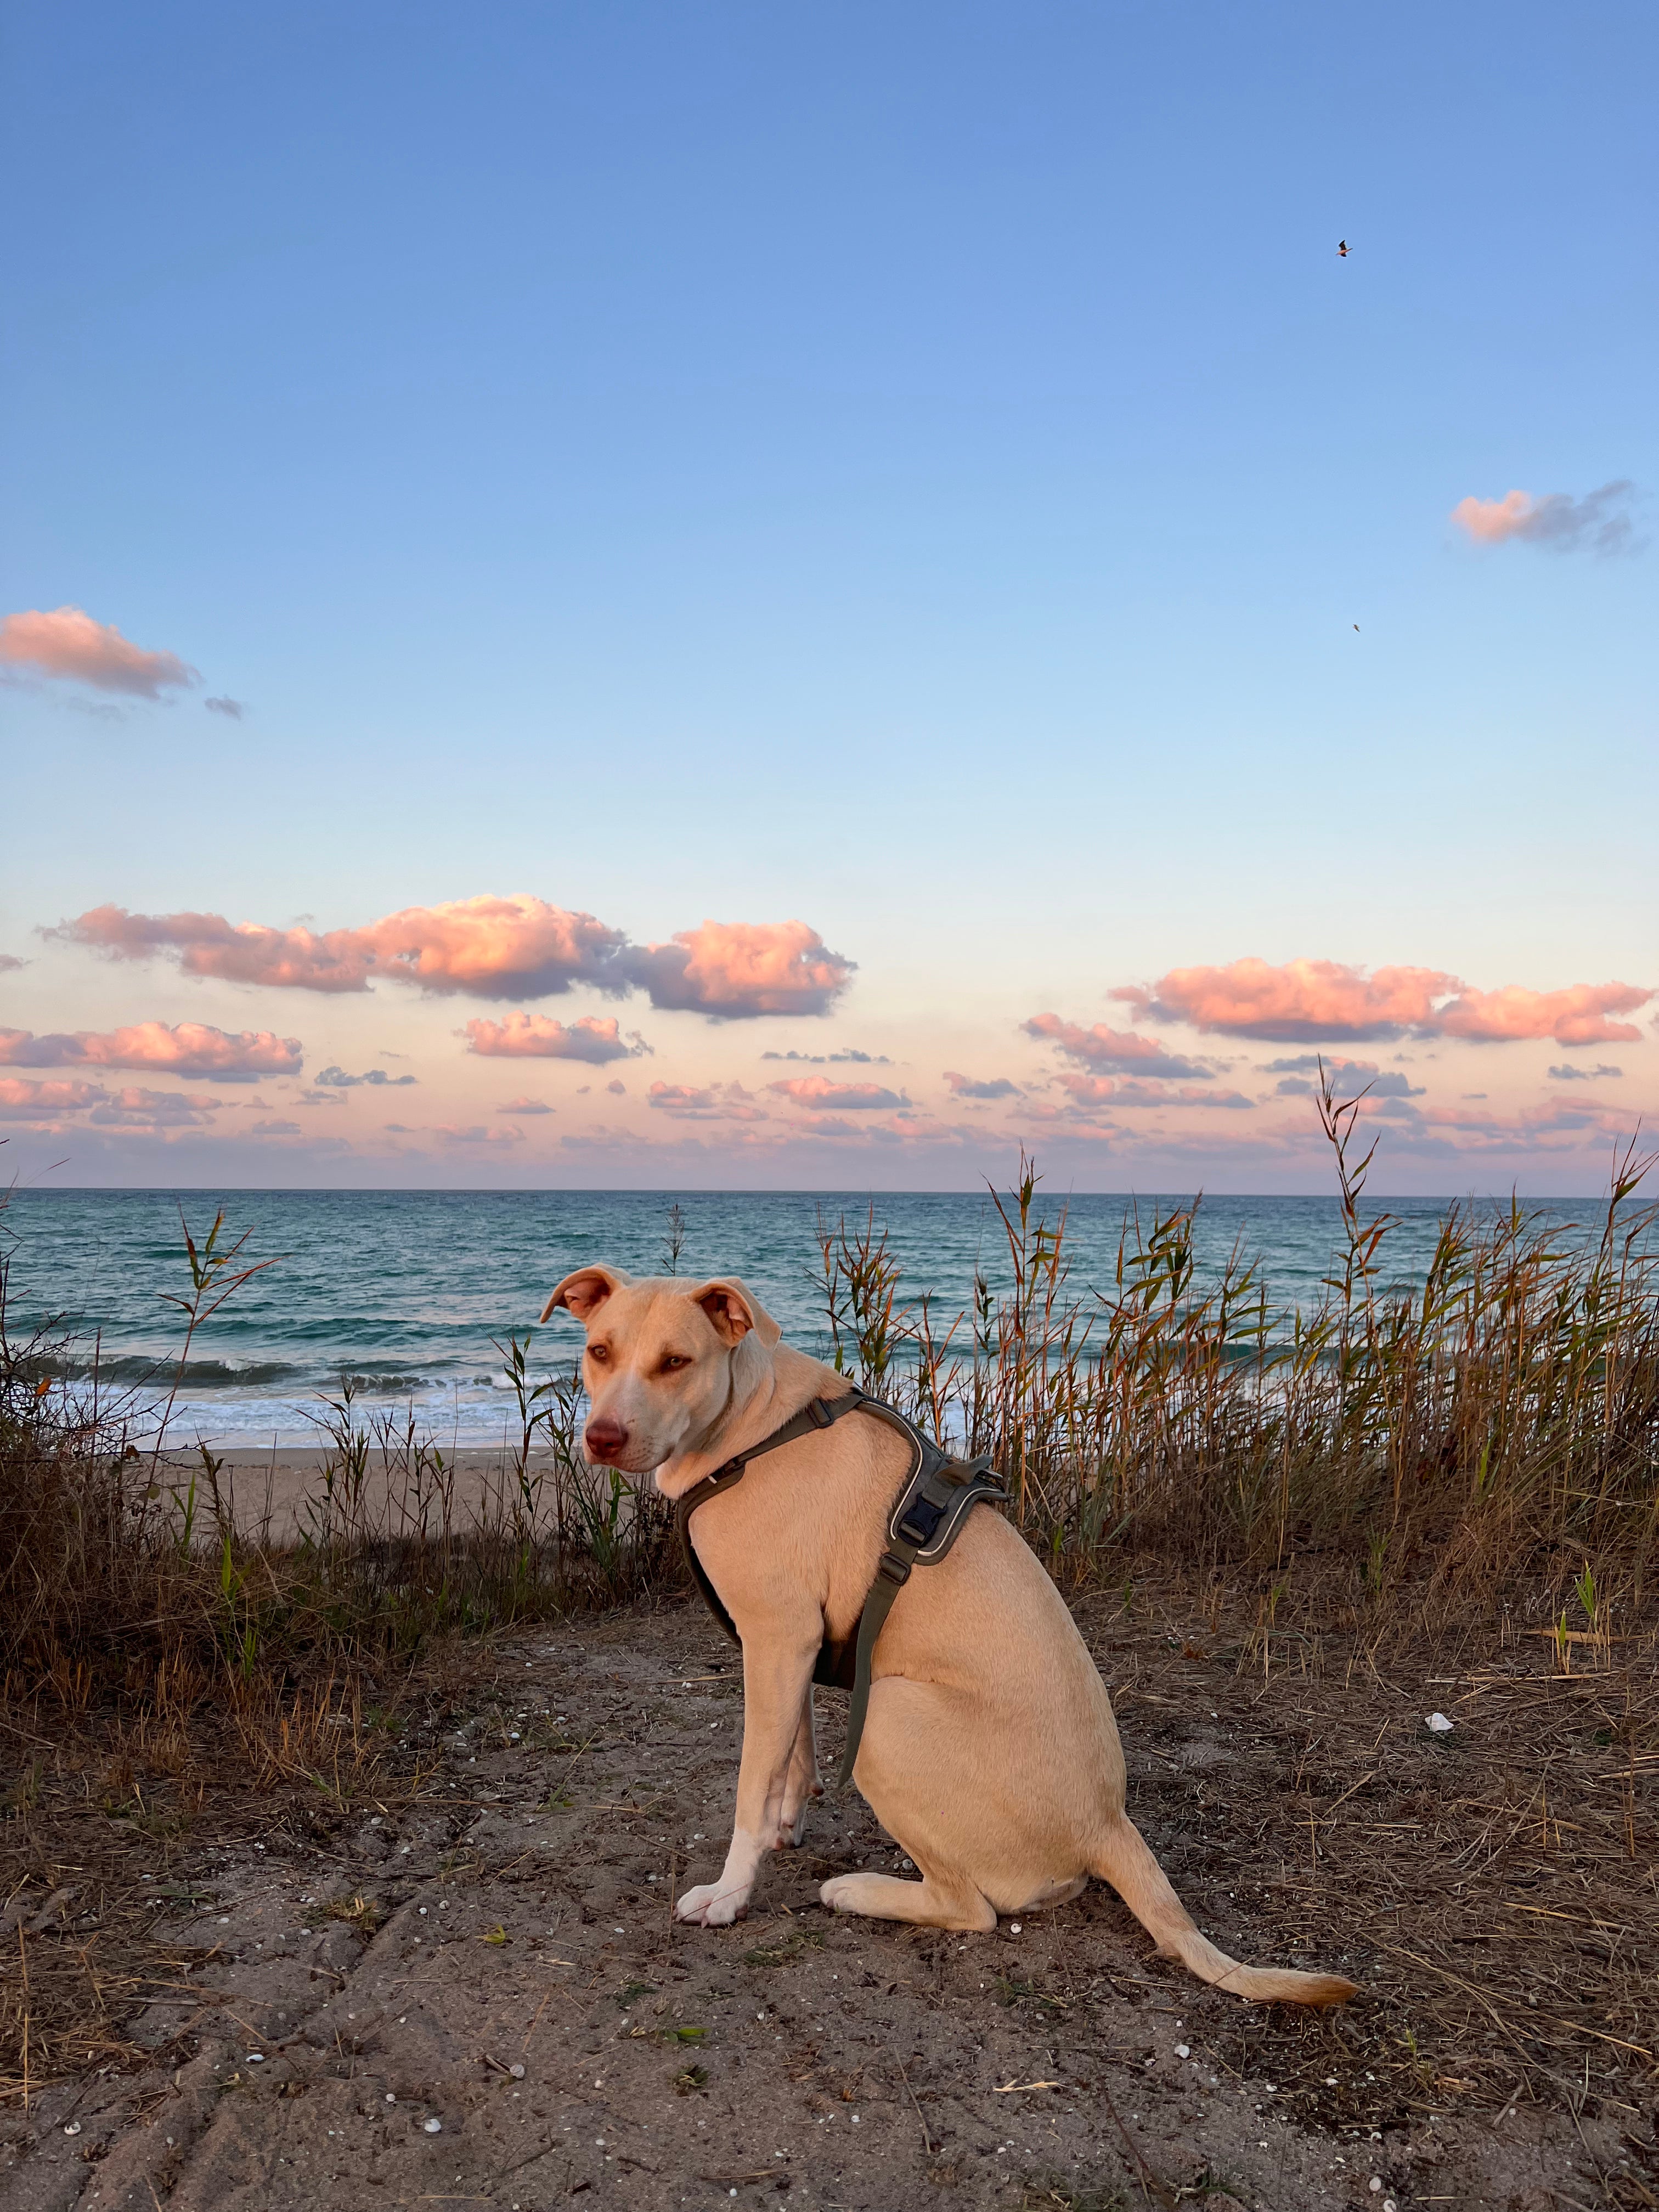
x=938, y=1493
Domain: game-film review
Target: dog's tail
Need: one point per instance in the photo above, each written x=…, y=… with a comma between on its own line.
x=1124, y=1860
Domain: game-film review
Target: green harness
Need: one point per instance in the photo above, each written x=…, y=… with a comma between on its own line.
x=938, y=1495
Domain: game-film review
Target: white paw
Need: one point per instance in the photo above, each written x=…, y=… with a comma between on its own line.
x=839, y=1893
x=710, y=1906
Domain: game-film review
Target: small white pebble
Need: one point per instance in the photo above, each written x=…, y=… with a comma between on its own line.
x=1330, y=2080
x=1183, y=2050
x=72, y=2127
x=434, y=2126
x=1438, y=1725
x=1375, y=2185
x=255, y=2058
x=855, y=2119
x=390, y=2099
x=1013, y=1926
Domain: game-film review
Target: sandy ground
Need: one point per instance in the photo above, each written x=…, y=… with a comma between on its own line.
x=268, y=1491
x=476, y=1995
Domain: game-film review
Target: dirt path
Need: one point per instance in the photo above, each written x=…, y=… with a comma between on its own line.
x=477, y=1996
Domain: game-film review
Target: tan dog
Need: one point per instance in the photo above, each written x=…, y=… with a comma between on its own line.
x=990, y=1754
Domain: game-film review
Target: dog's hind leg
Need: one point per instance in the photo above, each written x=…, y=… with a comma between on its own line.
x=909, y=1770
x=935, y=1901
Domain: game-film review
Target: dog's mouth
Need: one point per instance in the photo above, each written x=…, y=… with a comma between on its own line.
x=627, y=1458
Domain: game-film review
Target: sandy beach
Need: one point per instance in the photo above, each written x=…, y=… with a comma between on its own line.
x=268, y=1492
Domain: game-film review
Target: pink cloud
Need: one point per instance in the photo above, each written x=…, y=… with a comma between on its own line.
x=968, y=1086
x=69, y=644
x=491, y=947
x=533, y=1036
x=527, y=1106
x=1490, y=521
x=826, y=1125
x=817, y=1091
x=1601, y=518
x=486, y=947
x=135, y=1108
x=188, y=1049
x=1304, y=998
x=736, y=970
x=1100, y=1047
x=723, y=1102
x=1074, y=1118
x=22, y=1099
x=1579, y=1015
x=1096, y=1089
x=1305, y=1001
x=1556, y=1125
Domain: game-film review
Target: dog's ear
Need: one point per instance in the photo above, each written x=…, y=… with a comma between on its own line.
x=586, y=1291
x=734, y=1310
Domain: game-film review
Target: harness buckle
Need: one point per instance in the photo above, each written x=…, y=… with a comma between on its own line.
x=818, y=1413
x=894, y=1569
x=920, y=1523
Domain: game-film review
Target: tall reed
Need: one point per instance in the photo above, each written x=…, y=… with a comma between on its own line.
x=124, y=1563
x=1510, y=1400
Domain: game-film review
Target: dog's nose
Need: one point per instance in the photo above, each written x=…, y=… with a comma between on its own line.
x=605, y=1437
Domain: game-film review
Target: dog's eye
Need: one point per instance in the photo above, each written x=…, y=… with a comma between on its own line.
x=600, y=1351
x=673, y=1361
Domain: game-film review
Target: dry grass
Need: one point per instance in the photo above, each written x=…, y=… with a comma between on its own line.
x=1496, y=1422
x=168, y=1674
x=1498, y=1880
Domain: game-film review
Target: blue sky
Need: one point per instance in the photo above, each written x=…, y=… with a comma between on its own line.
x=914, y=470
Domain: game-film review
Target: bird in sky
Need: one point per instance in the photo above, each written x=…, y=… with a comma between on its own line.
x=1356, y=625
x=1342, y=249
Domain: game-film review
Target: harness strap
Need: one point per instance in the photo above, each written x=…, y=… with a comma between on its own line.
x=937, y=1496
x=928, y=1517
x=818, y=1413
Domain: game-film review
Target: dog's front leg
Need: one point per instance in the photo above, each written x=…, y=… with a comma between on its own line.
x=803, y=1783
x=775, y=1687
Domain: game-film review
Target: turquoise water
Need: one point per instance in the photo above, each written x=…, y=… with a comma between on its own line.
x=405, y=1289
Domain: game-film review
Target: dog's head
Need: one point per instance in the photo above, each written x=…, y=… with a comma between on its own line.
x=664, y=1360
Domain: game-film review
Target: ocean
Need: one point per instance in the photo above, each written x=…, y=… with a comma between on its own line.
x=409, y=1292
